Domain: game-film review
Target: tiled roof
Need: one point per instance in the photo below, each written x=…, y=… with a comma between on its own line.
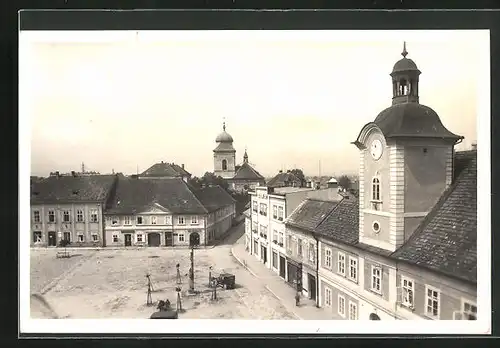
x=214, y=197
x=166, y=170
x=54, y=189
x=281, y=178
x=342, y=223
x=246, y=172
x=310, y=213
x=134, y=195
x=446, y=239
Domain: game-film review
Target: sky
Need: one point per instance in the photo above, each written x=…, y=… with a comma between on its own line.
x=124, y=101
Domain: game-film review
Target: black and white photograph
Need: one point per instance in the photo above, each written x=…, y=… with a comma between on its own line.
x=284, y=178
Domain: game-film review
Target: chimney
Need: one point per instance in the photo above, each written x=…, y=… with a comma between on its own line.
x=280, y=171
x=474, y=146
x=182, y=165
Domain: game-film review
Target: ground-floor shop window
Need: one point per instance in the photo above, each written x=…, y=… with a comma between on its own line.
x=37, y=237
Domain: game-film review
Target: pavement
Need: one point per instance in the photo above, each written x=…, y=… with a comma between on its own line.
x=307, y=309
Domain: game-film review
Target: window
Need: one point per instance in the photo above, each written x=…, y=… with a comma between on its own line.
x=67, y=236
x=469, y=311
x=95, y=237
x=275, y=211
x=167, y=220
x=407, y=292
x=376, y=279
x=36, y=216
x=224, y=164
x=52, y=216
x=275, y=260
x=353, y=311
x=255, y=247
x=299, y=247
x=66, y=216
x=37, y=237
x=275, y=236
x=180, y=237
x=289, y=243
x=194, y=220
x=93, y=215
x=254, y=206
x=153, y=220
x=254, y=227
x=263, y=231
x=328, y=297
x=432, y=302
x=328, y=258
x=180, y=220
x=341, y=263
x=280, y=241
x=127, y=220
x=115, y=238
x=139, y=220
x=263, y=209
x=139, y=238
x=353, y=269
x=80, y=238
x=280, y=213
x=341, y=305
x=376, y=189
x=312, y=252
x=114, y=221
x=79, y=216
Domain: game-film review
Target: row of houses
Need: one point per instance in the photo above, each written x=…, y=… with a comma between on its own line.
x=155, y=208
x=404, y=247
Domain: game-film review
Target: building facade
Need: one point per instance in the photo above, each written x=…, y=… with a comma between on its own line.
x=246, y=177
x=406, y=249
x=167, y=212
x=70, y=207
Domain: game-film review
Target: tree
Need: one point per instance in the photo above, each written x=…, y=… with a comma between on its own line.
x=344, y=181
x=299, y=174
x=209, y=179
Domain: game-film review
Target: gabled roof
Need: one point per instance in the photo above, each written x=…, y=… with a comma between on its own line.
x=310, y=213
x=134, y=195
x=281, y=178
x=164, y=170
x=446, y=240
x=214, y=197
x=246, y=172
x=342, y=223
x=68, y=188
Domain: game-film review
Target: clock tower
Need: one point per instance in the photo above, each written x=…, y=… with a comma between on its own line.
x=405, y=163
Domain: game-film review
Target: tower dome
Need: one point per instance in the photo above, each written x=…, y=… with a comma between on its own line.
x=224, y=137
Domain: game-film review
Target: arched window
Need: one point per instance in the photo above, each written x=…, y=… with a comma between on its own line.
x=376, y=189
x=224, y=164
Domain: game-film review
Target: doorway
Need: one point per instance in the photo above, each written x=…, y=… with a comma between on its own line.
x=311, y=281
x=194, y=239
x=282, y=267
x=52, y=239
x=154, y=239
x=128, y=240
x=169, y=239
x=374, y=316
x=263, y=254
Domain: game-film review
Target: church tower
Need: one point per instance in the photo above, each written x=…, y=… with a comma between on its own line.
x=224, y=155
x=405, y=163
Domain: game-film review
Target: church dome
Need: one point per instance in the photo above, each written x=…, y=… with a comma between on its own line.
x=224, y=137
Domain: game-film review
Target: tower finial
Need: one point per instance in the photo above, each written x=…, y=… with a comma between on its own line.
x=405, y=52
x=224, y=124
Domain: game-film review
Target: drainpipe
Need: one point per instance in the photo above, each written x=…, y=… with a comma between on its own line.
x=317, y=271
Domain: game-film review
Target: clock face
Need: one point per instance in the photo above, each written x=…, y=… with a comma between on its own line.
x=376, y=149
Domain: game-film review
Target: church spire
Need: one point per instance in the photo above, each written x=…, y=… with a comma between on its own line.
x=405, y=52
x=245, y=156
